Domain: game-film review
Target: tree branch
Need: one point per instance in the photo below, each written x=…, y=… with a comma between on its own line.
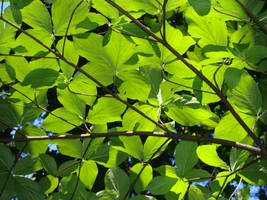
x=171, y=135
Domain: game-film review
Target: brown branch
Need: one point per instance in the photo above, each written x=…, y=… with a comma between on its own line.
x=252, y=149
x=214, y=75
x=221, y=189
x=195, y=70
x=255, y=19
x=66, y=33
x=14, y=55
x=164, y=19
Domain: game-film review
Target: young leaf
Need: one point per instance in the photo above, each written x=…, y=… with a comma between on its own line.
x=48, y=184
x=88, y=173
x=161, y=185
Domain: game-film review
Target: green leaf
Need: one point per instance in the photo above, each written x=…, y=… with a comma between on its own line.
x=88, y=173
x=185, y=156
x=144, y=179
x=106, y=9
x=71, y=102
x=208, y=155
x=69, y=147
x=37, y=16
x=161, y=185
x=57, y=125
x=143, y=197
x=187, y=111
x=255, y=174
x=48, y=163
x=230, y=129
x=200, y=26
x=62, y=12
x=27, y=165
x=28, y=189
x=134, y=85
x=238, y=158
x=197, y=192
x=6, y=158
x=133, y=146
x=48, y=184
x=152, y=145
x=66, y=168
x=202, y=7
x=37, y=79
x=246, y=95
x=102, y=112
x=116, y=180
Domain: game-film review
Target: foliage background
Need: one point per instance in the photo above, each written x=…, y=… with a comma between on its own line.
x=82, y=67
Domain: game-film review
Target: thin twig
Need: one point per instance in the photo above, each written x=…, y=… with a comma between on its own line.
x=164, y=19
x=255, y=19
x=2, y=7
x=241, y=19
x=66, y=33
x=14, y=55
x=195, y=70
x=232, y=195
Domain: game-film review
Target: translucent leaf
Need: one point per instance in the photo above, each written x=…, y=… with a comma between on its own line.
x=37, y=16
x=54, y=124
x=246, y=95
x=88, y=173
x=185, y=156
x=144, y=179
x=134, y=121
x=152, y=145
x=70, y=148
x=61, y=14
x=102, y=111
x=208, y=155
x=197, y=192
x=133, y=146
x=187, y=111
x=230, y=129
x=238, y=158
x=71, y=102
x=194, y=174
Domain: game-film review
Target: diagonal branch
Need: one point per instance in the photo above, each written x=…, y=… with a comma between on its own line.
x=195, y=70
x=255, y=19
